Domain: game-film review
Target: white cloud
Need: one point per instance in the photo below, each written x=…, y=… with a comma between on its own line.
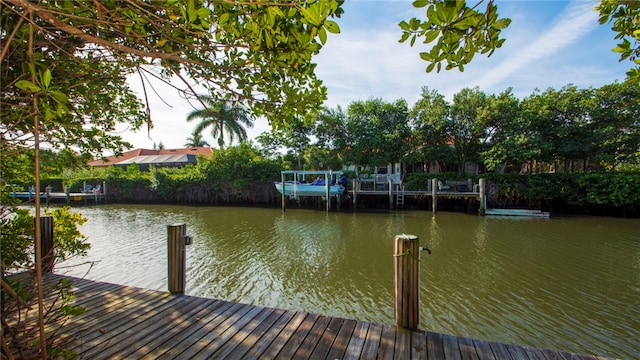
x=577, y=21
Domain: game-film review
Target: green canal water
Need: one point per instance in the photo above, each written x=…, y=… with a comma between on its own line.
x=569, y=284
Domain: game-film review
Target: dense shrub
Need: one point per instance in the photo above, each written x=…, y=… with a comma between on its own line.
x=236, y=175
x=610, y=188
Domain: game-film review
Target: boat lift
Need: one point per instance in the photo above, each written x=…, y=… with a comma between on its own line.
x=299, y=176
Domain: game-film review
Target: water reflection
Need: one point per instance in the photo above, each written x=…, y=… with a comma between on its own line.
x=568, y=283
x=311, y=244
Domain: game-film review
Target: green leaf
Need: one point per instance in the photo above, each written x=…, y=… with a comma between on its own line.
x=203, y=12
x=430, y=35
x=332, y=26
x=322, y=33
x=27, y=85
x=59, y=96
x=224, y=18
x=414, y=24
x=277, y=11
x=619, y=49
x=191, y=11
x=420, y=3
x=501, y=24
x=425, y=56
x=46, y=78
x=311, y=15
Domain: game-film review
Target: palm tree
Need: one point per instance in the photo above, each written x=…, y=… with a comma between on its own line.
x=223, y=118
x=196, y=140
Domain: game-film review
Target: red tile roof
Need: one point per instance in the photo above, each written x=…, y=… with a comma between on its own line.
x=205, y=151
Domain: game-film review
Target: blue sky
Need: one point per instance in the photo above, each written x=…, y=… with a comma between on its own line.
x=550, y=44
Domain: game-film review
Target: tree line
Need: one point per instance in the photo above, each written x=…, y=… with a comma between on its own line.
x=565, y=130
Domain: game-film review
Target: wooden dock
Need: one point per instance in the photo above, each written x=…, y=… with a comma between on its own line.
x=391, y=187
x=68, y=198
x=123, y=322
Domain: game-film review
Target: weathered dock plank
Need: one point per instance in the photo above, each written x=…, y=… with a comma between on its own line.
x=137, y=333
x=341, y=342
x=435, y=346
x=297, y=336
x=387, y=343
x=123, y=322
x=356, y=343
x=323, y=346
x=271, y=333
x=201, y=326
x=238, y=338
x=451, y=349
x=279, y=341
x=371, y=343
x=467, y=349
x=216, y=340
x=312, y=339
x=402, y=348
x=500, y=350
x=483, y=349
x=418, y=345
x=214, y=337
x=256, y=336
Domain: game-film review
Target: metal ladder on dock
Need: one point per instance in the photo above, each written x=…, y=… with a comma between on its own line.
x=400, y=198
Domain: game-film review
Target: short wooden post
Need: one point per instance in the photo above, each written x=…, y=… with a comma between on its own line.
x=47, y=191
x=282, y=196
x=483, y=199
x=406, y=259
x=327, y=179
x=47, y=250
x=434, y=195
x=356, y=188
x=390, y=194
x=177, y=257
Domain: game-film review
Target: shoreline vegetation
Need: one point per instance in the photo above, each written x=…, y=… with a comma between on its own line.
x=227, y=183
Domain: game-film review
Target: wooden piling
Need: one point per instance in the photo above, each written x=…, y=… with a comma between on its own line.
x=406, y=259
x=434, y=195
x=390, y=194
x=327, y=180
x=282, y=196
x=483, y=199
x=177, y=257
x=47, y=250
x=356, y=188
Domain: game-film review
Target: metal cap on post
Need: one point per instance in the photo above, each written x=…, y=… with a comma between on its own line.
x=177, y=239
x=406, y=259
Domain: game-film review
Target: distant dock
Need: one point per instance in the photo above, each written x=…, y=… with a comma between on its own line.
x=96, y=197
x=391, y=187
